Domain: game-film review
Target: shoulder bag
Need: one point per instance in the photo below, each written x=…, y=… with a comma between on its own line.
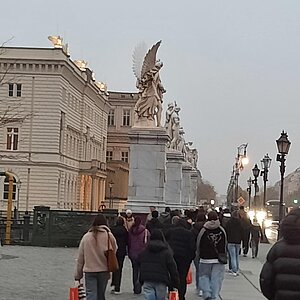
x=112, y=261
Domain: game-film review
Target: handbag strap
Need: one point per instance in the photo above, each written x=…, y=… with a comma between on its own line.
x=108, y=240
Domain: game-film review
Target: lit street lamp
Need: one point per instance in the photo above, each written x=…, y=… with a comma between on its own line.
x=283, y=145
x=255, y=172
x=265, y=165
x=111, y=183
x=249, y=181
x=240, y=161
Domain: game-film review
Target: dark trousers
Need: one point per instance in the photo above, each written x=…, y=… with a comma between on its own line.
x=117, y=276
x=137, y=288
x=254, y=247
x=245, y=241
x=183, y=267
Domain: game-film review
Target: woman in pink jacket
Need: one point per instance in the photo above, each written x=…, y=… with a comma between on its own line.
x=92, y=259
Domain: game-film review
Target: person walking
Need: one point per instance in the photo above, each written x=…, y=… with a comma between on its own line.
x=234, y=231
x=92, y=260
x=256, y=236
x=137, y=240
x=246, y=224
x=128, y=219
x=121, y=235
x=211, y=243
x=182, y=242
x=154, y=222
x=158, y=268
x=197, y=226
x=280, y=275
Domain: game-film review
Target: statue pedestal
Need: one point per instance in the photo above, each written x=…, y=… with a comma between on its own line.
x=147, y=173
x=173, y=191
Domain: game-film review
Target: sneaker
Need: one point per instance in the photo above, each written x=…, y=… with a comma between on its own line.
x=234, y=274
x=245, y=255
x=117, y=293
x=200, y=293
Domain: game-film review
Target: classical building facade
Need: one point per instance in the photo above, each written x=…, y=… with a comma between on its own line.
x=120, y=120
x=54, y=118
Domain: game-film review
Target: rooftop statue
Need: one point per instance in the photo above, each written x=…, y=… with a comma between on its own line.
x=148, y=109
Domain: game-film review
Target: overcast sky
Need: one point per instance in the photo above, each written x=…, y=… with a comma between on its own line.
x=232, y=66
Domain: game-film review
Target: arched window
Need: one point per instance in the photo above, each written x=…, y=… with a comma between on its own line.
x=6, y=188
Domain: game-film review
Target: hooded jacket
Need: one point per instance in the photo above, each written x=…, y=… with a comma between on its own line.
x=280, y=275
x=158, y=265
x=137, y=239
x=210, y=242
x=92, y=250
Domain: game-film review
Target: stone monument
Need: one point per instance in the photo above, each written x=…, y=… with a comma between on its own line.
x=148, y=139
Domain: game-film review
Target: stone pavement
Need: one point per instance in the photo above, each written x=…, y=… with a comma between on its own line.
x=34, y=273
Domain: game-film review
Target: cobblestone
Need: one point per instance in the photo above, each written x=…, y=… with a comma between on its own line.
x=35, y=273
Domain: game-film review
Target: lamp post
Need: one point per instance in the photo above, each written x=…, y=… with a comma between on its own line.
x=255, y=172
x=111, y=183
x=265, y=165
x=249, y=181
x=19, y=184
x=283, y=145
x=240, y=160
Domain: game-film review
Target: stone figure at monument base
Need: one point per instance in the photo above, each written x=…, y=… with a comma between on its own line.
x=148, y=109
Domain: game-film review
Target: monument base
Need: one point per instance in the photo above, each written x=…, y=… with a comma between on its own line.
x=147, y=173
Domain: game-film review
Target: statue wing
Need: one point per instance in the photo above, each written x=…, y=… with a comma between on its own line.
x=150, y=59
x=137, y=58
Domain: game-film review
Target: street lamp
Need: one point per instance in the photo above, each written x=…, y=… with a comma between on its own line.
x=283, y=145
x=265, y=165
x=249, y=181
x=111, y=183
x=240, y=161
x=19, y=184
x=255, y=172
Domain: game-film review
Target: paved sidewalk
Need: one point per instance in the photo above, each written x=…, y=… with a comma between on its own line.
x=33, y=273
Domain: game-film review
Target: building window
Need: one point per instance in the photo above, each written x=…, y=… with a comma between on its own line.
x=109, y=155
x=126, y=117
x=12, y=138
x=10, y=89
x=19, y=90
x=125, y=156
x=111, y=118
x=6, y=188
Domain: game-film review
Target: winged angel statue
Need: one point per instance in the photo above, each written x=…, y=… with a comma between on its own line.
x=148, y=108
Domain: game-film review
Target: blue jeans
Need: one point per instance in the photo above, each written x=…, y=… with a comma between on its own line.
x=155, y=290
x=210, y=279
x=234, y=250
x=95, y=285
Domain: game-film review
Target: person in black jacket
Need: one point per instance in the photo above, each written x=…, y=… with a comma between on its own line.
x=280, y=275
x=121, y=235
x=158, y=268
x=234, y=231
x=211, y=242
x=154, y=223
x=182, y=242
x=197, y=226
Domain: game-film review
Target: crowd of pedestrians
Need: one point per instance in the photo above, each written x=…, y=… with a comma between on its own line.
x=163, y=247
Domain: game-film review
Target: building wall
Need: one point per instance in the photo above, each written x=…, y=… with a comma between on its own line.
x=62, y=128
